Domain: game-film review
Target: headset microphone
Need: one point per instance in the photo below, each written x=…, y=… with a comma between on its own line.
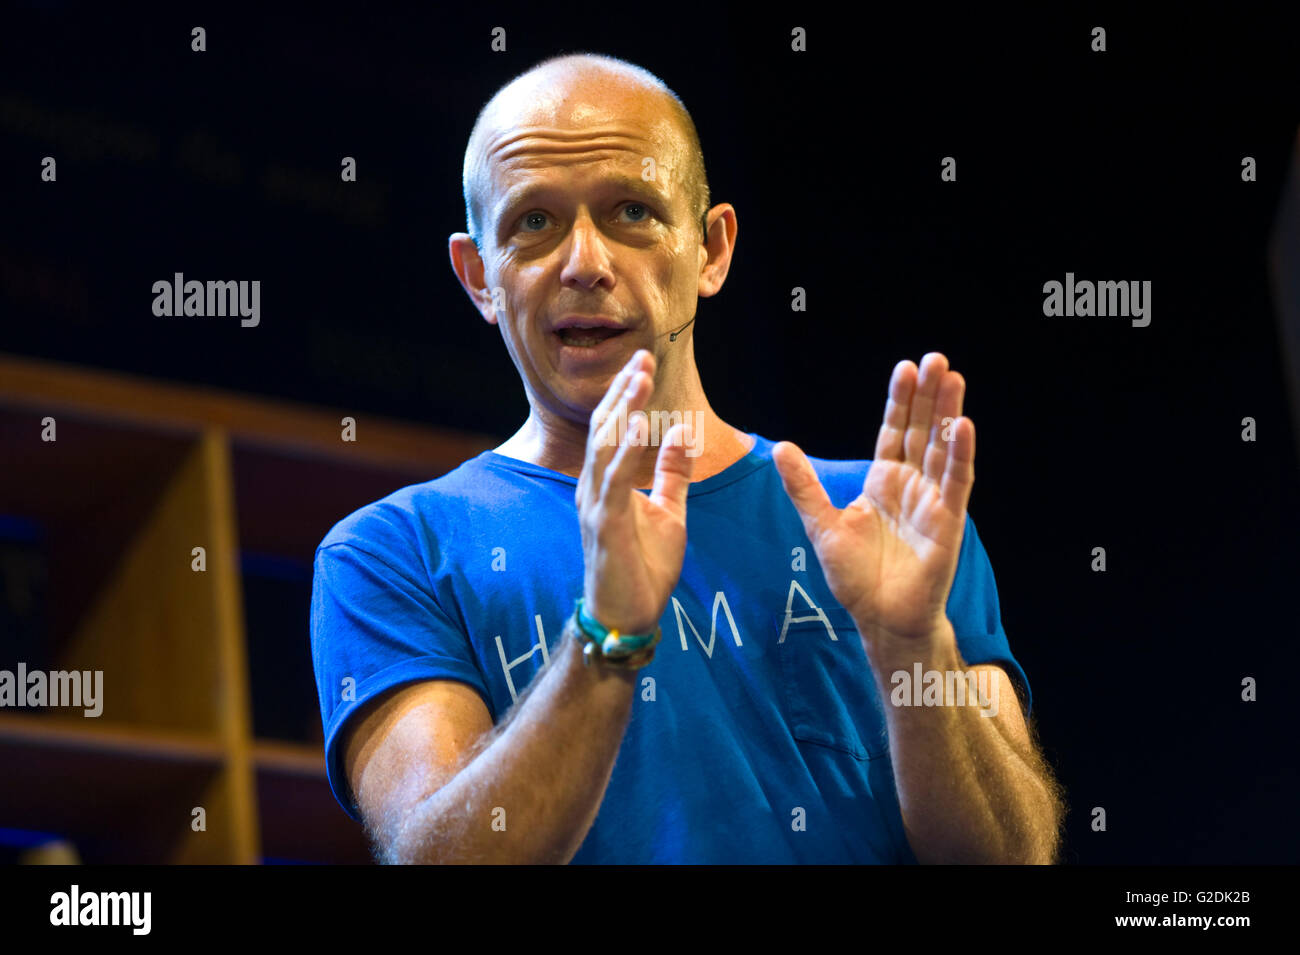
x=673, y=336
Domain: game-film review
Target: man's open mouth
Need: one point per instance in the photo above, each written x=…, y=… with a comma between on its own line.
x=587, y=337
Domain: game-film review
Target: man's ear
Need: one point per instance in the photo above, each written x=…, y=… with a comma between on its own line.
x=717, y=250
x=468, y=266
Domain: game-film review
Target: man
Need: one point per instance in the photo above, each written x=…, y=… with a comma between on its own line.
x=472, y=714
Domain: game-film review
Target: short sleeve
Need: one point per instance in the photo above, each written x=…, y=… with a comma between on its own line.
x=374, y=627
x=976, y=616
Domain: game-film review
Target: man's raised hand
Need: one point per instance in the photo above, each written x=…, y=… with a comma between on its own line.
x=633, y=545
x=890, y=556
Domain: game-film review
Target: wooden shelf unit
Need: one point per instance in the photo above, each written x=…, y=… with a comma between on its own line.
x=141, y=473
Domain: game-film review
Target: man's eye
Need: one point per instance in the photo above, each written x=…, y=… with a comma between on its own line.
x=536, y=221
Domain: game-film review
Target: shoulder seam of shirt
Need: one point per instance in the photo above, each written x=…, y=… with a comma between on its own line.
x=428, y=590
x=376, y=557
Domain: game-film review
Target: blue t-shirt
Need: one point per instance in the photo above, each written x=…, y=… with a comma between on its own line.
x=762, y=738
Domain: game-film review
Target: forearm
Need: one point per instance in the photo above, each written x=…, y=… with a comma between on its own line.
x=532, y=792
x=966, y=793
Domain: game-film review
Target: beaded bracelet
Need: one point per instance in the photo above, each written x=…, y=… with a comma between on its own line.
x=607, y=644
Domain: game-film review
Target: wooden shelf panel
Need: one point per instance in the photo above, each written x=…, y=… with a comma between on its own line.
x=122, y=739
x=122, y=794
x=285, y=503
x=277, y=425
x=88, y=493
x=106, y=518
x=92, y=473
x=300, y=818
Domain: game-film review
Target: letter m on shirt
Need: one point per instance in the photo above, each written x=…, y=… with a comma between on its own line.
x=720, y=600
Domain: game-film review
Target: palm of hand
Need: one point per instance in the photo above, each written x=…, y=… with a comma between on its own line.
x=890, y=556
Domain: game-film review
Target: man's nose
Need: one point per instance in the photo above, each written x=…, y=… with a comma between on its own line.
x=588, y=259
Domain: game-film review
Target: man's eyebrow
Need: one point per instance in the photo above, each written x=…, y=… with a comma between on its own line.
x=522, y=194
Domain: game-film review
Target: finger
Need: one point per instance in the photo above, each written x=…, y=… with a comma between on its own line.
x=959, y=474
x=600, y=415
x=947, y=409
x=602, y=447
x=889, y=442
x=803, y=488
x=616, y=491
x=921, y=415
x=673, y=470
x=616, y=387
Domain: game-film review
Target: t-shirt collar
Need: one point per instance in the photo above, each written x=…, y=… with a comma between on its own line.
x=758, y=456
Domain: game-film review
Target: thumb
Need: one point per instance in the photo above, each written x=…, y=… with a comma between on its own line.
x=673, y=469
x=803, y=488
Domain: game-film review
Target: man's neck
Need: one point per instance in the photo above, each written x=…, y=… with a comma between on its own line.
x=561, y=445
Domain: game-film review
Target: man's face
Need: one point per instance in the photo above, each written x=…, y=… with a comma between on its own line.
x=593, y=259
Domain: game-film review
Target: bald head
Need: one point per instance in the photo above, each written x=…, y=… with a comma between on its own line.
x=563, y=87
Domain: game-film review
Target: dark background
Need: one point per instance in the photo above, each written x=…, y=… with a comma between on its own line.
x=1120, y=165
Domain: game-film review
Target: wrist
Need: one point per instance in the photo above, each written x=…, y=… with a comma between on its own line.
x=613, y=621
x=610, y=646
x=887, y=650
x=573, y=646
